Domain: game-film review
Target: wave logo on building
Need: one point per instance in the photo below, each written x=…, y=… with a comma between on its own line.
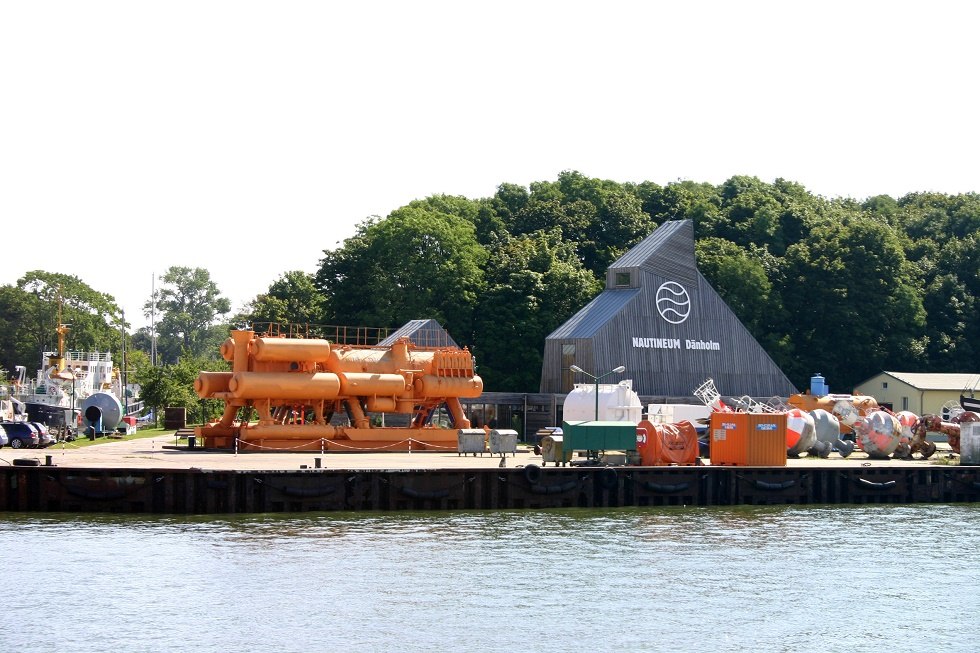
x=673, y=302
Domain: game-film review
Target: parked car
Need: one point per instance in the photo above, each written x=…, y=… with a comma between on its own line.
x=44, y=436
x=21, y=435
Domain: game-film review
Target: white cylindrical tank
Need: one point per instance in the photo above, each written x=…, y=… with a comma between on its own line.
x=617, y=403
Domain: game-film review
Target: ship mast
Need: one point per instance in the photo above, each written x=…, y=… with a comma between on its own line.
x=58, y=361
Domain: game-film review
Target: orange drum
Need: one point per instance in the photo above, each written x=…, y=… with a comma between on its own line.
x=667, y=444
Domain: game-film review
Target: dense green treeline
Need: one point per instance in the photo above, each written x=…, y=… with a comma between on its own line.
x=840, y=287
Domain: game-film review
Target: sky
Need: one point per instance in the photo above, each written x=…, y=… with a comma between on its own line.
x=249, y=137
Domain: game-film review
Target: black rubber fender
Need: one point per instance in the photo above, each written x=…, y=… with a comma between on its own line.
x=306, y=492
x=884, y=485
x=666, y=488
x=96, y=495
x=532, y=474
x=557, y=488
x=299, y=492
x=423, y=494
x=769, y=485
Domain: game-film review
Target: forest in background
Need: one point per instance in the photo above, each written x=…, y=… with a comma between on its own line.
x=843, y=287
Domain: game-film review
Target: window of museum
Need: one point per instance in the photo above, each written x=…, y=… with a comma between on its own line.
x=567, y=360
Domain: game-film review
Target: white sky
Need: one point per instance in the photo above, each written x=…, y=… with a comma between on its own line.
x=248, y=137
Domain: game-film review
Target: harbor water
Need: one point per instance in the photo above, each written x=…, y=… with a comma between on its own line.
x=788, y=578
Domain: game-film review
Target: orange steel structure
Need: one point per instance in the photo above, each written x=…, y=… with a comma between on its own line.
x=295, y=386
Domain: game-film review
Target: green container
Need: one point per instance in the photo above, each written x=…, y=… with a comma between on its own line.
x=598, y=436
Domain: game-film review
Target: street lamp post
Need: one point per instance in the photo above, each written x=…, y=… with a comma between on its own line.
x=72, y=422
x=617, y=370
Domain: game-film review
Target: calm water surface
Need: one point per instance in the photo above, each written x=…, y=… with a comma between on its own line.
x=879, y=578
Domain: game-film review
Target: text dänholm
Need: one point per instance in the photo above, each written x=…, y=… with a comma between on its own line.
x=675, y=343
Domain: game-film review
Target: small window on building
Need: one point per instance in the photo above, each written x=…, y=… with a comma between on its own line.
x=905, y=403
x=622, y=279
x=567, y=360
x=884, y=384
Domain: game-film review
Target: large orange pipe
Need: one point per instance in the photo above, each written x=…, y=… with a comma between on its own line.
x=441, y=386
x=239, y=350
x=290, y=349
x=362, y=384
x=208, y=383
x=381, y=361
x=284, y=385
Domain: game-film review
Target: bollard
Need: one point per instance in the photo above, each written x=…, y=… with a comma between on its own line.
x=316, y=463
x=47, y=460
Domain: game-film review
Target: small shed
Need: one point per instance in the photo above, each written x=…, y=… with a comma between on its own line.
x=923, y=393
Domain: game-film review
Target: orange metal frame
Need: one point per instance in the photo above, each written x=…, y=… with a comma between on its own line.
x=295, y=386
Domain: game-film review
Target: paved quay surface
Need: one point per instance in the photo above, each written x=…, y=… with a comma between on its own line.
x=164, y=452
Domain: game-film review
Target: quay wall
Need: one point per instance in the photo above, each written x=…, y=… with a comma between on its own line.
x=197, y=492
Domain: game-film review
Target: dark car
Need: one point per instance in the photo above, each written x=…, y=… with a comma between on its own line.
x=21, y=435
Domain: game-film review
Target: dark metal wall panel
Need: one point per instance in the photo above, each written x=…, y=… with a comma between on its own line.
x=527, y=486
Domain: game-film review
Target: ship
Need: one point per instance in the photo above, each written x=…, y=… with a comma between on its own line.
x=77, y=389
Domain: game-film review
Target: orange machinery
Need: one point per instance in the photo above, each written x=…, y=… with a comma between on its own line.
x=297, y=385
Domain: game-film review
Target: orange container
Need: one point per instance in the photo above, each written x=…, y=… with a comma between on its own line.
x=751, y=439
x=667, y=444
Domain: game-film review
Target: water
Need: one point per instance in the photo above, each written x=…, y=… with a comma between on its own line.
x=865, y=578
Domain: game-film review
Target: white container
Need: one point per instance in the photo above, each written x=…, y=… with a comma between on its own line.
x=503, y=441
x=675, y=413
x=970, y=443
x=617, y=403
x=471, y=441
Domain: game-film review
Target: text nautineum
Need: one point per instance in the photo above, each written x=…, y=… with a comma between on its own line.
x=675, y=343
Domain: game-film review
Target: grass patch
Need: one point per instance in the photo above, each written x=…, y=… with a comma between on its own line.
x=83, y=440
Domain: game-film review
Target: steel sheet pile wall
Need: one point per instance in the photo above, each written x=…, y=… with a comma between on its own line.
x=53, y=489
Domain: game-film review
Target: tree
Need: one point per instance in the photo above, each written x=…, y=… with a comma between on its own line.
x=30, y=314
x=172, y=385
x=854, y=301
x=535, y=282
x=741, y=279
x=293, y=298
x=418, y=263
x=190, y=305
x=604, y=218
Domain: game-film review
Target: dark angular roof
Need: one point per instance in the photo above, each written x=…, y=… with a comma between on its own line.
x=594, y=315
x=667, y=252
x=422, y=333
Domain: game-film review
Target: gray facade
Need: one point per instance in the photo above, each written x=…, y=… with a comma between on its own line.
x=660, y=318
